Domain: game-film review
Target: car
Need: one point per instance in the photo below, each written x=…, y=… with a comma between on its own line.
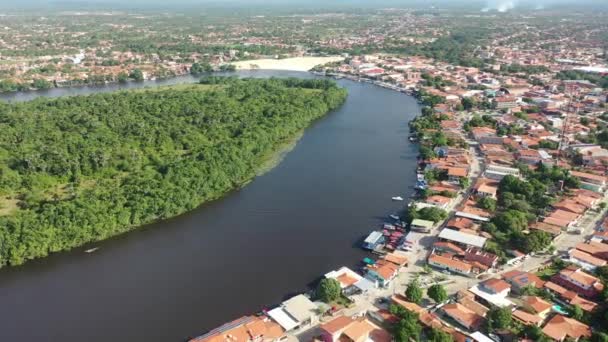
x=446, y=272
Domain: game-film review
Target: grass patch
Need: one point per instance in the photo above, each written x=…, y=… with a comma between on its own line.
x=8, y=206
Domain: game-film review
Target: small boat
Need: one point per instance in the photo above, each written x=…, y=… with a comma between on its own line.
x=397, y=198
x=394, y=217
x=91, y=250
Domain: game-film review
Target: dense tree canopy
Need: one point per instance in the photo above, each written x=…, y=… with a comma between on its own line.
x=86, y=168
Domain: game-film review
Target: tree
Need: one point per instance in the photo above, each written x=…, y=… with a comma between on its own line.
x=464, y=182
x=438, y=293
x=329, y=290
x=436, y=335
x=499, y=318
x=487, y=203
x=123, y=77
x=137, y=75
x=42, y=84
x=536, y=241
x=576, y=312
x=432, y=214
x=467, y=103
x=599, y=336
x=413, y=293
x=408, y=328
x=602, y=273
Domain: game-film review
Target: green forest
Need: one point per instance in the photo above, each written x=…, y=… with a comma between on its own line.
x=80, y=169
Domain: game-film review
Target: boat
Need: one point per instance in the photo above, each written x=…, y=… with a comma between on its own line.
x=397, y=198
x=91, y=250
x=394, y=217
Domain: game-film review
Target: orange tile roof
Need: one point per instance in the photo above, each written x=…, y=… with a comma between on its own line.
x=359, y=330
x=587, y=258
x=555, y=288
x=396, y=259
x=336, y=324
x=402, y=301
x=463, y=315
x=526, y=318
x=586, y=175
x=497, y=285
x=579, y=276
x=450, y=262
x=559, y=327
x=583, y=303
x=346, y=280
x=537, y=304
x=457, y=171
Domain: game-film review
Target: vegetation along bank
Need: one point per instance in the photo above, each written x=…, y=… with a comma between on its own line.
x=80, y=169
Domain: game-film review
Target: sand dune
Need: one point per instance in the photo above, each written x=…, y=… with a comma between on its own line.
x=293, y=64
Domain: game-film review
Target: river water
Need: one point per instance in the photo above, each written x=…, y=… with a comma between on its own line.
x=255, y=247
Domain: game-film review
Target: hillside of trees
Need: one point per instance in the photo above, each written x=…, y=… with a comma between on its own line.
x=82, y=169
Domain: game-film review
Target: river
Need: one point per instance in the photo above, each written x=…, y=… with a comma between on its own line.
x=255, y=247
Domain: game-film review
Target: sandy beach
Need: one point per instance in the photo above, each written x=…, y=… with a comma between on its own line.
x=292, y=64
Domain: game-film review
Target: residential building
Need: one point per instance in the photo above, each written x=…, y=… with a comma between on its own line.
x=244, y=329
x=560, y=328
x=537, y=306
x=465, y=317
x=585, y=260
x=577, y=280
x=295, y=313
x=452, y=265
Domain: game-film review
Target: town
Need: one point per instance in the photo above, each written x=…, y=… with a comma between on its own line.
x=505, y=239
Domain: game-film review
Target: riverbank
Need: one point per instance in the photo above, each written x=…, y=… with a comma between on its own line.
x=286, y=64
x=276, y=234
x=195, y=148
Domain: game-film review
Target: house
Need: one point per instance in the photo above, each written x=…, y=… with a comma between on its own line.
x=586, y=260
x=461, y=238
x=574, y=279
x=297, y=312
x=346, y=329
x=448, y=247
x=486, y=189
x=244, y=329
x=455, y=174
x=465, y=317
x=439, y=201
x=496, y=286
x=403, y=302
x=362, y=330
x=331, y=331
x=452, y=265
x=526, y=318
x=382, y=273
x=350, y=281
x=493, y=292
x=560, y=328
x=505, y=102
x=537, y=306
x=396, y=258
x=423, y=226
x=597, y=249
x=467, y=299
x=477, y=255
x=590, y=181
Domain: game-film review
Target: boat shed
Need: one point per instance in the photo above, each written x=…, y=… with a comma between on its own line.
x=372, y=241
x=462, y=238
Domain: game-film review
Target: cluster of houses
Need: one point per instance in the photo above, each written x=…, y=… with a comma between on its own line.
x=300, y=313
